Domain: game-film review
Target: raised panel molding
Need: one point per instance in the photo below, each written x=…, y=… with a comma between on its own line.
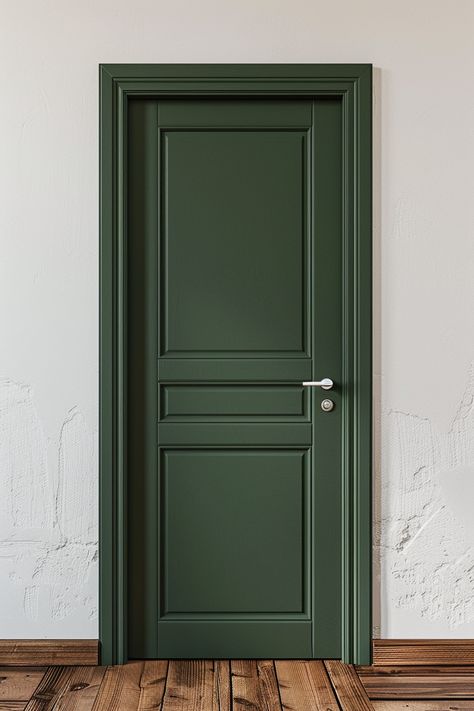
x=232, y=370
x=258, y=403
x=265, y=573
x=238, y=233
x=241, y=434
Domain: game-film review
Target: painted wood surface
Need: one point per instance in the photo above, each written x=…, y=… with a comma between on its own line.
x=238, y=293
x=350, y=86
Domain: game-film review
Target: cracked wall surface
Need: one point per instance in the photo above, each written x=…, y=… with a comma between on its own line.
x=423, y=285
x=48, y=519
x=425, y=541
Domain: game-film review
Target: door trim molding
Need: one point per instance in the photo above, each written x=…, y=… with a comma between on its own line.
x=353, y=84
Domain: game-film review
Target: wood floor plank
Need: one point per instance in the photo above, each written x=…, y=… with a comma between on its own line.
x=191, y=685
x=68, y=688
x=348, y=687
x=305, y=685
x=120, y=689
x=245, y=691
x=441, y=671
x=263, y=685
x=53, y=684
x=83, y=687
x=152, y=685
x=268, y=686
x=254, y=685
x=19, y=683
x=323, y=690
x=223, y=681
x=448, y=705
x=418, y=682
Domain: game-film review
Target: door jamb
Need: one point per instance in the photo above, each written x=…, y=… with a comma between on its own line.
x=353, y=84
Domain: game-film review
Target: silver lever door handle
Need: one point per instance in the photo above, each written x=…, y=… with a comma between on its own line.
x=325, y=383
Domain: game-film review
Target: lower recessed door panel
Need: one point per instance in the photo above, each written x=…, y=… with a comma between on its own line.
x=237, y=519
x=235, y=543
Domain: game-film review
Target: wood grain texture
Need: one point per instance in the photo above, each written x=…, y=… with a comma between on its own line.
x=194, y=684
x=240, y=685
x=323, y=690
x=49, y=652
x=83, y=687
x=67, y=688
x=424, y=683
x=348, y=687
x=407, y=652
x=19, y=684
x=223, y=681
x=422, y=671
x=254, y=685
x=152, y=685
x=305, y=685
x=120, y=689
x=53, y=685
x=448, y=705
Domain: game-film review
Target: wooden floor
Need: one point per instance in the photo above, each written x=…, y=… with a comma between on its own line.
x=237, y=686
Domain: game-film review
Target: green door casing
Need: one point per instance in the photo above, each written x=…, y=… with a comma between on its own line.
x=233, y=513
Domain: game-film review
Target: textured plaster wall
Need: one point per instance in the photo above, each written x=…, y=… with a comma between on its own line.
x=424, y=284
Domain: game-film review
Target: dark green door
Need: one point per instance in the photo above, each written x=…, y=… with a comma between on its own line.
x=234, y=290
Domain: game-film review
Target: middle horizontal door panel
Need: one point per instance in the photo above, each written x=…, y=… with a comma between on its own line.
x=234, y=433
x=208, y=401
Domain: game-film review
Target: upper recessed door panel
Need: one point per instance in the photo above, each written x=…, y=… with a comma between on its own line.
x=234, y=229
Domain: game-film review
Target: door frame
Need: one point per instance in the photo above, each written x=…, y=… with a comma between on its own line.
x=353, y=84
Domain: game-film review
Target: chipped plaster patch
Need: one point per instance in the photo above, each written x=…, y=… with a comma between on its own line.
x=427, y=555
x=25, y=481
x=77, y=503
x=48, y=534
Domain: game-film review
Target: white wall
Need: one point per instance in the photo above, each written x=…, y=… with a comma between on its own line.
x=424, y=283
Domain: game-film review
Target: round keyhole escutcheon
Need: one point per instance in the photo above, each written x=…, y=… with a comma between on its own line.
x=327, y=405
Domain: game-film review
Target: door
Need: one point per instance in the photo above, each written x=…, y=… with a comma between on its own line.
x=234, y=222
